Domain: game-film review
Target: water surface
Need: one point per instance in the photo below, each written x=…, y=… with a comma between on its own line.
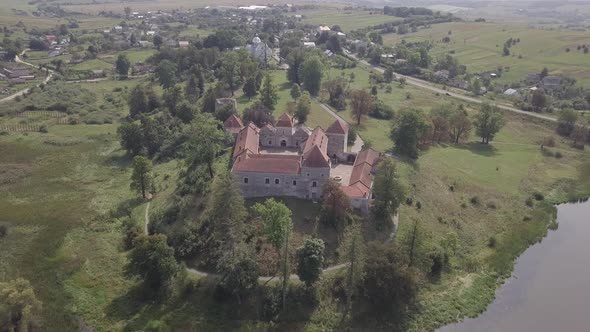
x=550, y=287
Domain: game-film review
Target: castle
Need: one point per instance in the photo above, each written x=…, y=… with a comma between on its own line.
x=289, y=159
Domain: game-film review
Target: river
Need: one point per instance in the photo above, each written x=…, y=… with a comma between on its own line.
x=550, y=287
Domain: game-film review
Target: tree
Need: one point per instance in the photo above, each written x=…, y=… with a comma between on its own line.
x=352, y=251
x=141, y=179
x=476, y=87
x=268, y=93
x=407, y=131
x=459, y=125
x=153, y=134
x=544, y=73
x=295, y=91
x=205, y=141
x=335, y=203
x=440, y=123
x=311, y=73
x=303, y=107
x=566, y=122
x=226, y=213
x=137, y=101
x=230, y=71
x=278, y=225
x=158, y=41
x=258, y=114
x=295, y=60
x=19, y=307
x=579, y=135
x=123, y=65
x=388, y=75
x=506, y=51
x=539, y=100
x=127, y=12
x=361, y=104
x=192, y=92
x=336, y=89
x=310, y=258
x=239, y=271
x=387, y=189
x=172, y=97
x=388, y=283
x=153, y=260
x=166, y=73
x=132, y=40
x=249, y=87
x=185, y=111
x=488, y=122
x=130, y=137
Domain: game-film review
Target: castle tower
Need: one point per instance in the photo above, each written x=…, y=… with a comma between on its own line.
x=337, y=139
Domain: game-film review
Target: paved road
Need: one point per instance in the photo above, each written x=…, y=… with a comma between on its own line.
x=23, y=91
x=429, y=86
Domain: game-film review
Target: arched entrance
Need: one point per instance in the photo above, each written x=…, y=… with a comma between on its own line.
x=350, y=159
x=283, y=143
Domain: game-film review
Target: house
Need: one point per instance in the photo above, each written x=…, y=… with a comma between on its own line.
x=221, y=103
x=183, y=43
x=533, y=78
x=141, y=69
x=233, y=125
x=118, y=29
x=151, y=33
x=399, y=62
x=441, y=75
x=145, y=43
x=14, y=73
x=340, y=34
x=551, y=82
x=308, y=44
x=98, y=73
x=458, y=83
x=511, y=93
x=328, y=53
x=53, y=54
x=259, y=50
x=322, y=28
x=360, y=185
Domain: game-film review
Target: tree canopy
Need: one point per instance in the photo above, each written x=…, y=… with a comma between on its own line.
x=407, y=131
x=488, y=122
x=153, y=260
x=387, y=189
x=310, y=260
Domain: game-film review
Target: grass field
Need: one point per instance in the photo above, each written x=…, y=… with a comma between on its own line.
x=479, y=46
x=347, y=19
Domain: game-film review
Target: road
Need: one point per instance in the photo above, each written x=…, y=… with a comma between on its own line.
x=23, y=91
x=429, y=86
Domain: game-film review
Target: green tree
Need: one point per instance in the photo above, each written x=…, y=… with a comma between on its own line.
x=239, y=271
x=539, y=100
x=268, y=93
x=388, y=75
x=352, y=251
x=387, y=189
x=166, y=73
x=158, y=41
x=141, y=179
x=185, y=111
x=544, y=73
x=295, y=91
x=137, y=101
x=131, y=137
x=566, y=122
x=230, y=71
x=192, y=92
x=153, y=260
x=311, y=73
x=361, y=104
x=205, y=141
x=127, y=11
x=295, y=60
x=122, y=65
x=459, y=125
x=335, y=203
x=276, y=217
x=303, y=107
x=172, y=97
x=19, y=307
x=310, y=258
x=336, y=89
x=488, y=122
x=249, y=87
x=407, y=131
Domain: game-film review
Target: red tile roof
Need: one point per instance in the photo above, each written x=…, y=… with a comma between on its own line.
x=338, y=127
x=285, y=120
x=233, y=122
x=316, y=158
x=247, y=140
x=318, y=137
x=361, y=173
x=368, y=156
x=268, y=163
x=357, y=190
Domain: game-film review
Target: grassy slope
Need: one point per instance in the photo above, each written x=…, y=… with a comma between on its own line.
x=479, y=46
x=347, y=19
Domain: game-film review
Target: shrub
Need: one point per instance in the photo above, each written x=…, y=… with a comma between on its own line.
x=43, y=129
x=418, y=205
x=475, y=200
x=529, y=202
x=526, y=218
x=492, y=241
x=3, y=231
x=549, y=141
x=452, y=188
x=463, y=205
x=491, y=205
x=558, y=155
x=409, y=201
x=538, y=196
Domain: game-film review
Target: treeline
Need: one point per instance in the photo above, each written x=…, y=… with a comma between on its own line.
x=406, y=11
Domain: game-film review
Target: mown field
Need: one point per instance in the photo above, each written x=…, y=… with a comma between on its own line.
x=347, y=19
x=479, y=46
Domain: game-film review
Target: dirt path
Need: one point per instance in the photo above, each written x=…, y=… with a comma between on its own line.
x=458, y=95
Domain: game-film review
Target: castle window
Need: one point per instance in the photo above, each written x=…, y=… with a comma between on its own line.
x=246, y=180
x=314, y=184
x=308, y=174
x=267, y=181
x=269, y=142
x=277, y=181
x=294, y=182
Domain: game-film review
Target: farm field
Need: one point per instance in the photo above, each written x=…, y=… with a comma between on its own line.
x=479, y=47
x=347, y=19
